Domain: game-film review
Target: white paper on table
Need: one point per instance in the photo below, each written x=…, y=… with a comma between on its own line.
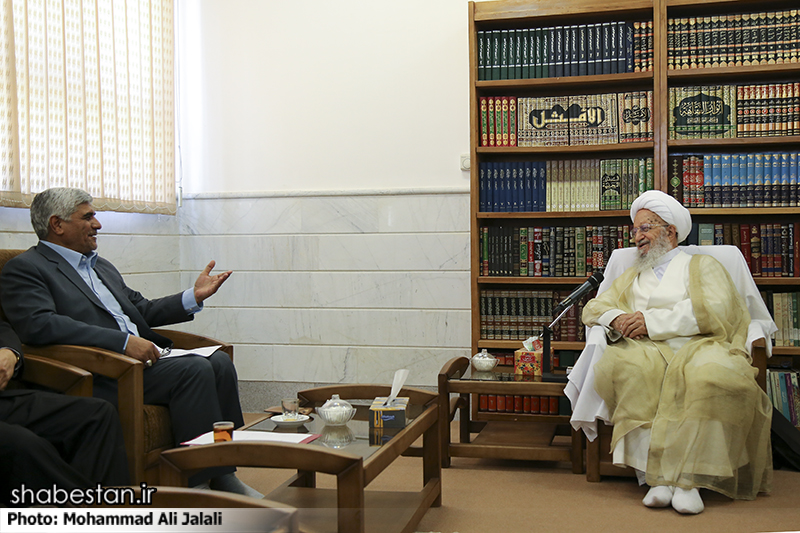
x=205, y=351
x=397, y=384
x=257, y=436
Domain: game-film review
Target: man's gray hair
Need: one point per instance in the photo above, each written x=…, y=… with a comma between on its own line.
x=59, y=201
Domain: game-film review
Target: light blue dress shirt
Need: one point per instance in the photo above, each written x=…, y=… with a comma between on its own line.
x=84, y=266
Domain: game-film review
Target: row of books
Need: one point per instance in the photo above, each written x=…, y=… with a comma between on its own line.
x=566, y=120
x=557, y=251
x=783, y=306
x=585, y=119
x=556, y=51
x=740, y=39
x=770, y=250
x=535, y=405
x=731, y=111
x=763, y=179
x=519, y=314
x=783, y=388
x=563, y=185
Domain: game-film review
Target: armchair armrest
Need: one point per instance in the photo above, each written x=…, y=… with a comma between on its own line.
x=187, y=341
x=127, y=371
x=58, y=376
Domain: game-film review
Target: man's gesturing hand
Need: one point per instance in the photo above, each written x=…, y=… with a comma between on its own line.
x=206, y=284
x=631, y=325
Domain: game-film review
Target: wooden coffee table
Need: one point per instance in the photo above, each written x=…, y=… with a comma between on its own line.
x=348, y=507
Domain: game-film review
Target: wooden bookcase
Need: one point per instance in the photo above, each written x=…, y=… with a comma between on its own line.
x=523, y=14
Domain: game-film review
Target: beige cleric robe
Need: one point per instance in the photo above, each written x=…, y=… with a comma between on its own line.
x=709, y=421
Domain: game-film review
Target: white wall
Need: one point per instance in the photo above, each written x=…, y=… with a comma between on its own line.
x=319, y=95
x=320, y=145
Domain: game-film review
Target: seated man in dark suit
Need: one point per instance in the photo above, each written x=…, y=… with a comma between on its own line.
x=62, y=292
x=49, y=439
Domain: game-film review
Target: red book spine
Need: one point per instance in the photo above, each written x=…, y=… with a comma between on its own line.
x=744, y=243
x=501, y=403
x=492, y=402
x=518, y=404
x=553, y=405
x=483, y=402
x=526, y=404
x=535, y=403
x=509, y=403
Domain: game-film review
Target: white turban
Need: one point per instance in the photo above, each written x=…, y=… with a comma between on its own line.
x=667, y=207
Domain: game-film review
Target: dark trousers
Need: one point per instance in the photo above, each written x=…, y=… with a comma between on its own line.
x=197, y=390
x=50, y=439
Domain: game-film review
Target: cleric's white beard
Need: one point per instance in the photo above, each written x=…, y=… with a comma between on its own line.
x=658, y=247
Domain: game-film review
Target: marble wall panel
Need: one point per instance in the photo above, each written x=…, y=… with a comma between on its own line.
x=356, y=252
x=344, y=213
x=400, y=290
x=337, y=327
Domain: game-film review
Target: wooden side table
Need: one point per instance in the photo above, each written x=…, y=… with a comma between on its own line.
x=503, y=435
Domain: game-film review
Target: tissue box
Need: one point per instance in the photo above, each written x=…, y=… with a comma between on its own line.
x=381, y=436
x=528, y=363
x=388, y=416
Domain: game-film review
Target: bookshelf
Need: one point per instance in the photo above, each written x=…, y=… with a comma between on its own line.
x=496, y=24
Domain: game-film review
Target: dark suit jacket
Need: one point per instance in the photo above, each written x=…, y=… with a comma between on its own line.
x=48, y=302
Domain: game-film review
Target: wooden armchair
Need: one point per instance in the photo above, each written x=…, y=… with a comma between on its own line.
x=590, y=412
x=147, y=429
x=178, y=464
x=53, y=375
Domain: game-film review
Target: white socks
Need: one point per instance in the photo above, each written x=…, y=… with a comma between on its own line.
x=682, y=500
x=687, y=501
x=659, y=496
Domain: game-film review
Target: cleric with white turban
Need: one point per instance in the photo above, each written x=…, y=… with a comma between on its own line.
x=674, y=372
x=668, y=208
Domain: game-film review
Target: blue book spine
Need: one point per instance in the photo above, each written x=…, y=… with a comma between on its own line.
x=767, y=179
x=605, y=63
x=775, y=160
x=527, y=169
x=482, y=187
x=793, y=179
x=735, y=180
x=534, y=186
x=622, y=61
x=716, y=181
x=629, y=58
x=751, y=180
x=726, y=181
x=497, y=188
x=708, y=182
x=758, y=189
x=784, y=179
x=583, y=47
x=511, y=173
x=542, y=185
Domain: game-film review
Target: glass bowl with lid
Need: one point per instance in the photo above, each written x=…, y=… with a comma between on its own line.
x=484, y=361
x=336, y=412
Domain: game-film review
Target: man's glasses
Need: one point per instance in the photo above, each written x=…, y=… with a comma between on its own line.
x=645, y=228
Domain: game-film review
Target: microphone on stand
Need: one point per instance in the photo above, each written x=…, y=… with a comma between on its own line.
x=589, y=285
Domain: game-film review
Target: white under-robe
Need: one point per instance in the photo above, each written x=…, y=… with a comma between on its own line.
x=688, y=384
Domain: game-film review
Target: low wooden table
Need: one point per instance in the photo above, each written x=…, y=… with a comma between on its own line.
x=503, y=435
x=348, y=507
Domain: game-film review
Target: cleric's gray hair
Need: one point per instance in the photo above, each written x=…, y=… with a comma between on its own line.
x=59, y=201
